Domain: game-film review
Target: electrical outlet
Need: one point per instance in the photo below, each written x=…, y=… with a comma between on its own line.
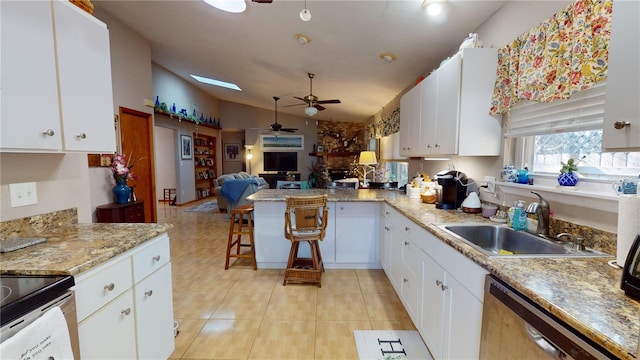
x=491, y=183
x=23, y=194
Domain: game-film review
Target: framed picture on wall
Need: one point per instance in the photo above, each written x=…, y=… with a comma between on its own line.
x=232, y=152
x=186, y=147
x=282, y=142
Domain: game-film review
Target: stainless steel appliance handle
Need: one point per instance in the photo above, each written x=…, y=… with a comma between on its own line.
x=543, y=343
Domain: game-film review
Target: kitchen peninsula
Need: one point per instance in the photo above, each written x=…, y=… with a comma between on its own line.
x=582, y=292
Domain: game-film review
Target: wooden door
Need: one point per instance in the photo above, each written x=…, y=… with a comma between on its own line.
x=136, y=134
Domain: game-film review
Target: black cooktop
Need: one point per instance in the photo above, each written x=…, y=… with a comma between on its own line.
x=21, y=294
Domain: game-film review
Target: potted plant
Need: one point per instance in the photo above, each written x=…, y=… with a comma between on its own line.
x=568, y=175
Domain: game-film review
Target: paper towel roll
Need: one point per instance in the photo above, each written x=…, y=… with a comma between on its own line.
x=628, y=225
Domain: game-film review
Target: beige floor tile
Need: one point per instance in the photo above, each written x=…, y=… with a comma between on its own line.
x=255, y=281
x=384, y=307
x=334, y=339
x=284, y=339
x=340, y=282
x=374, y=281
x=341, y=307
x=293, y=302
x=196, y=305
x=236, y=305
x=401, y=324
x=223, y=339
x=188, y=329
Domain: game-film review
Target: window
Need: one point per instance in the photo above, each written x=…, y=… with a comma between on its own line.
x=396, y=171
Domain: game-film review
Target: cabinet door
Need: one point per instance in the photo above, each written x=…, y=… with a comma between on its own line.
x=410, y=121
x=462, y=335
x=357, y=233
x=84, y=72
x=28, y=88
x=622, y=94
x=110, y=333
x=428, y=113
x=385, y=244
x=154, y=315
x=411, y=281
x=431, y=323
x=448, y=99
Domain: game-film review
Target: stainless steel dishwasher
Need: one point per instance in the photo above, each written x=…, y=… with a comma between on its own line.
x=513, y=327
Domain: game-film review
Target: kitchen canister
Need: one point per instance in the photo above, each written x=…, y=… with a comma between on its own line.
x=413, y=192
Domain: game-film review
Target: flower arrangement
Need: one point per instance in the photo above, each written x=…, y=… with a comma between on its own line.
x=121, y=168
x=571, y=165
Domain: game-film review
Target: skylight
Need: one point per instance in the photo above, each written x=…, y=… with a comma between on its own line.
x=232, y=6
x=215, y=82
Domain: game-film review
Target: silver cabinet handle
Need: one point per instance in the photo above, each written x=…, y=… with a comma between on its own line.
x=387, y=228
x=438, y=283
x=621, y=124
x=49, y=132
x=406, y=243
x=444, y=287
x=386, y=213
x=543, y=343
x=126, y=311
x=437, y=145
x=81, y=136
x=341, y=207
x=148, y=293
x=156, y=258
x=405, y=280
x=406, y=228
x=109, y=287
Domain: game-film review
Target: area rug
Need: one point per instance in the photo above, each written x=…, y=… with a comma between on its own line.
x=204, y=207
x=390, y=344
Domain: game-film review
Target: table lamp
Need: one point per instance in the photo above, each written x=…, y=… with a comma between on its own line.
x=367, y=159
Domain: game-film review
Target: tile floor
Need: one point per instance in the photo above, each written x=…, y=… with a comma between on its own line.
x=244, y=314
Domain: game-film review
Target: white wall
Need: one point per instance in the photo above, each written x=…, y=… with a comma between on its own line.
x=164, y=152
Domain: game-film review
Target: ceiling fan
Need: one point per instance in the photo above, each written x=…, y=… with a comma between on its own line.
x=312, y=102
x=275, y=127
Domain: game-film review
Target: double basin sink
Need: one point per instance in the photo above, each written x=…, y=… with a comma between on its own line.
x=502, y=241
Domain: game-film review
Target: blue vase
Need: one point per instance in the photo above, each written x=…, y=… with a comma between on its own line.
x=568, y=179
x=121, y=192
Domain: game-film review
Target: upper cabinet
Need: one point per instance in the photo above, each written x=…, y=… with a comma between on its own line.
x=453, y=109
x=56, y=79
x=621, y=129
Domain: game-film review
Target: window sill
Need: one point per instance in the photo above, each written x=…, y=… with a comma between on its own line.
x=582, y=196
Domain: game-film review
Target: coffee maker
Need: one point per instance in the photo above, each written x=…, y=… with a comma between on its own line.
x=453, y=189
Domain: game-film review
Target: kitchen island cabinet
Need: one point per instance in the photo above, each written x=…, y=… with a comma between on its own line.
x=57, y=78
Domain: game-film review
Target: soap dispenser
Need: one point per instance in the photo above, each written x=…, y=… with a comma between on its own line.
x=519, y=221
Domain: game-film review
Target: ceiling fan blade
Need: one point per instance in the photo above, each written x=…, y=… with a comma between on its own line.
x=288, y=130
x=319, y=107
x=334, y=101
x=301, y=99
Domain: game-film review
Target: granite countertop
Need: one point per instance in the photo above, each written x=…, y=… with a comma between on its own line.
x=74, y=248
x=583, y=292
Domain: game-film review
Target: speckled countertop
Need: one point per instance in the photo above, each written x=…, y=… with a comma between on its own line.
x=72, y=248
x=583, y=292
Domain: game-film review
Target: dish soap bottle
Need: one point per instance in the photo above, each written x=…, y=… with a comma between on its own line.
x=510, y=212
x=519, y=216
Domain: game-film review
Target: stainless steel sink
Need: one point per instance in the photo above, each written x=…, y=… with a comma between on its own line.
x=499, y=240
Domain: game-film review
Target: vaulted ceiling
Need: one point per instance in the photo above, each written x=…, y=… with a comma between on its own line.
x=258, y=51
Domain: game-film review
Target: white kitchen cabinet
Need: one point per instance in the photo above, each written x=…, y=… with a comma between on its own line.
x=410, y=122
x=56, y=79
x=454, y=108
x=28, y=88
x=390, y=147
x=432, y=321
x=623, y=85
x=357, y=240
x=111, y=332
x=385, y=244
x=125, y=305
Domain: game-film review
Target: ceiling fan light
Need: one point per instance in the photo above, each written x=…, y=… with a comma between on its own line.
x=310, y=111
x=302, y=39
x=232, y=6
x=305, y=14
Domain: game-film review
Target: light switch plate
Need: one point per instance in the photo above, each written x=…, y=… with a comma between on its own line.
x=491, y=183
x=23, y=194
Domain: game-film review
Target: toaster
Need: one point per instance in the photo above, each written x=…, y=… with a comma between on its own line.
x=631, y=274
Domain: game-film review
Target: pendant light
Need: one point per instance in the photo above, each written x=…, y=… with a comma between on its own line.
x=305, y=14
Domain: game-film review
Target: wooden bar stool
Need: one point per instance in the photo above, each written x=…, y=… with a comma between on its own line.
x=305, y=221
x=241, y=210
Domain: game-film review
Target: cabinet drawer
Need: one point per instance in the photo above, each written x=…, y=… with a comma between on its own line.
x=150, y=257
x=134, y=213
x=101, y=285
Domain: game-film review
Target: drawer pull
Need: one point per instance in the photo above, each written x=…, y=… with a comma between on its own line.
x=387, y=228
x=406, y=243
x=109, y=287
x=148, y=293
x=156, y=258
x=81, y=136
x=406, y=228
x=49, y=132
x=444, y=287
x=405, y=280
x=126, y=312
x=438, y=283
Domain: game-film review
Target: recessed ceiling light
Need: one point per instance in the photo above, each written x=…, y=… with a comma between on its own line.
x=302, y=39
x=215, y=82
x=232, y=6
x=434, y=7
x=388, y=57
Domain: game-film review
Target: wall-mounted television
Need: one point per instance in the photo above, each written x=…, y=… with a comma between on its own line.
x=280, y=161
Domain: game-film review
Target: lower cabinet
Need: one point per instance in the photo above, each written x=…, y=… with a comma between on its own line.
x=441, y=289
x=356, y=232
x=125, y=306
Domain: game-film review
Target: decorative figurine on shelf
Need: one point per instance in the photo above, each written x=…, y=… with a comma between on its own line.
x=157, y=104
x=173, y=107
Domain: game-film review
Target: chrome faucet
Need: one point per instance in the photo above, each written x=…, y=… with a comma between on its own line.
x=541, y=209
x=577, y=242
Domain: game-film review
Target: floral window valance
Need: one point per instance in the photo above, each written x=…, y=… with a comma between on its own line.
x=563, y=55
